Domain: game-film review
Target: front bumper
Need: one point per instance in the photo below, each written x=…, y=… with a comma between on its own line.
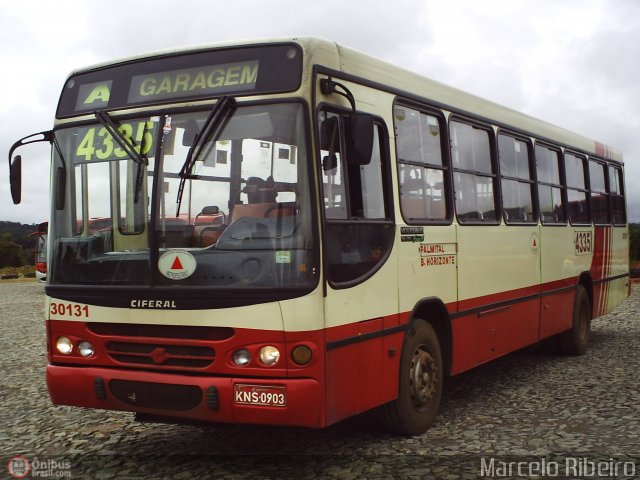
x=189, y=397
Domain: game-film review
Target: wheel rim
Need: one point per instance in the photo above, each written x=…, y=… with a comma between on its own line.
x=423, y=378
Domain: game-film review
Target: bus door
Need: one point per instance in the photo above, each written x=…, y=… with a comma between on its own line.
x=360, y=271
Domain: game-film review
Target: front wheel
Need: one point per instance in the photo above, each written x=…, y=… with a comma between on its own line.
x=420, y=389
x=576, y=340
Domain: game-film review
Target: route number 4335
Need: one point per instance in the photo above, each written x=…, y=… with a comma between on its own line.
x=583, y=243
x=98, y=144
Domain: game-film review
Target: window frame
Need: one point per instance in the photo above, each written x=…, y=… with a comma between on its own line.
x=586, y=189
x=620, y=172
x=532, y=177
x=494, y=175
x=562, y=185
x=445, y=167
x=605, y=168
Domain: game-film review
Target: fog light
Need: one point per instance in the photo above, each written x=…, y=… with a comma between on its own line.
x=64, y=345
x=85, y=349
x=301, y=355
x=269, y=355
x=241, y=357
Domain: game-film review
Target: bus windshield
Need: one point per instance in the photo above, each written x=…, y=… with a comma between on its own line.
x=238, y=217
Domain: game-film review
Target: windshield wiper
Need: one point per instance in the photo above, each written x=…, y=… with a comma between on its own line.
x=209, y=133
x=129, y=146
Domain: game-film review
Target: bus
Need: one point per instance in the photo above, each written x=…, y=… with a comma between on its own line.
x=40, y=252
x=296, y=233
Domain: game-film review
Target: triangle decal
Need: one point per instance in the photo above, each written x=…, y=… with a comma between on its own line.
x=177, y=265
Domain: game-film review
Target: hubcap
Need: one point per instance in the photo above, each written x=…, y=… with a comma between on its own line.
x=423, y=378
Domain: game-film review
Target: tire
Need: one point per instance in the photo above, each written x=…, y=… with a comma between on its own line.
x=576, y=340
x=420, y=383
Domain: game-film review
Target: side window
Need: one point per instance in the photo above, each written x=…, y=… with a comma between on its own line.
x=474, y=174
x=421, y=169
x=599, y=197
x=616, y=191
x=577, y=203
x=517, y=180
x=550, y=187
x=359, y=229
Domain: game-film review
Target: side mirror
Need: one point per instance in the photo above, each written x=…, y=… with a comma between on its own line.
x=15, y=179
x=360, y=139
x=15, y=165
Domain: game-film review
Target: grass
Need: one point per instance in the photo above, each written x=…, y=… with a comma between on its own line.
x=22, y=273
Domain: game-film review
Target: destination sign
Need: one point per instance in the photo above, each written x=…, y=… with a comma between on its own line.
x=181, y=77
x=207, y=80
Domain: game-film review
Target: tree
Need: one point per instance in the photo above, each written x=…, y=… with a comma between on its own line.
x=10, y=251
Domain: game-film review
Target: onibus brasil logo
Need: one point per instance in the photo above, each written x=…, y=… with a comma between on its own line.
x=20, y=467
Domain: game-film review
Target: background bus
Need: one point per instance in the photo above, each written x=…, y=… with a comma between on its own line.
x=296, y=233
x=40, y=252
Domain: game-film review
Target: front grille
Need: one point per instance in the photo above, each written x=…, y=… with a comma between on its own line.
x=161, y=331
x=154, y=354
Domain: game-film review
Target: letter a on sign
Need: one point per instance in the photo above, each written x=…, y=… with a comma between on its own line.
x=99, y=93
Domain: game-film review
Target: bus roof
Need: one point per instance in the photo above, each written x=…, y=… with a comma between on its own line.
x=404, y=83
x=414, y=86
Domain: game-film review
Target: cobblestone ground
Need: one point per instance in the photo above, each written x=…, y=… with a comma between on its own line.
x=529, y=405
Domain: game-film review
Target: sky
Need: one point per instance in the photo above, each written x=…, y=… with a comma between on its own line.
x=573, y=63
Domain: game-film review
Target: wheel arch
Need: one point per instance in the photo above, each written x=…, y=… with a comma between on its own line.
x=433, y=311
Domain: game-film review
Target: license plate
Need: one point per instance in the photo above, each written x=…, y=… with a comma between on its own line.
x=263, y=395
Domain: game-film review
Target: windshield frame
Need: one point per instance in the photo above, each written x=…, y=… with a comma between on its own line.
x=250, y=294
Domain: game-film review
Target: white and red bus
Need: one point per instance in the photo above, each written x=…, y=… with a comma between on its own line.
x=40, y=252
x=296, y=233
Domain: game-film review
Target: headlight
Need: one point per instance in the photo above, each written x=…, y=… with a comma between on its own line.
x=85, y=349
x=64, y=345
x=241, y=357
x=269, y=355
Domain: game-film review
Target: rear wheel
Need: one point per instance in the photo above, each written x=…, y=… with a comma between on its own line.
x=576, y=340
x=421, y=378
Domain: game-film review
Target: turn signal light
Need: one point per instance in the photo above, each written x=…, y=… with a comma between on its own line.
x=302, y=355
